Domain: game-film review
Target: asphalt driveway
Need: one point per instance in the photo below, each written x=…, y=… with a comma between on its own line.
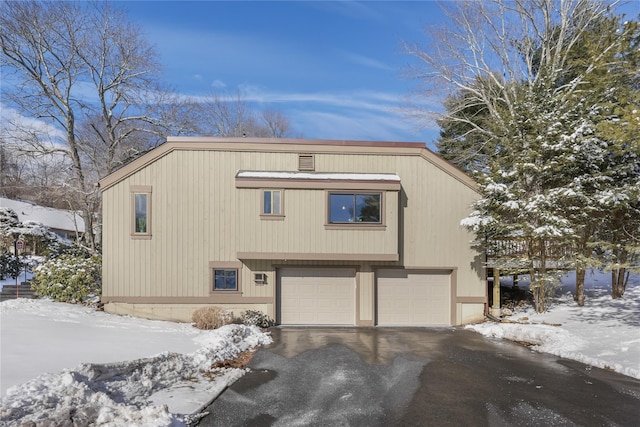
x=421, y=377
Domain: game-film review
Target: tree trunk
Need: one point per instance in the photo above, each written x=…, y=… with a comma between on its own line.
x=579, y=296
x=619, y=276
x=618, y=282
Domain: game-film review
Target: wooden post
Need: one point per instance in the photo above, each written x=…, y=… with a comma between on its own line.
x=495, y=309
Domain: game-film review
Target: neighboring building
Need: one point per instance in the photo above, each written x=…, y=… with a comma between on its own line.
x=65, y=223
x=310, y=232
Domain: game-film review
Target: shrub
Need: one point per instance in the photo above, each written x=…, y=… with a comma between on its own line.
x=211, y=317
x=68, y=278
x=256, y=318
x=543, y=291
x=9, y=265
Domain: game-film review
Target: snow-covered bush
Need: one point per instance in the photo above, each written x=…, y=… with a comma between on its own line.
x=38, y=238
x=211, y=317
x=9, y=265
x=8, y=218
x=256, y=318
x=68, y=278
x=76, y=250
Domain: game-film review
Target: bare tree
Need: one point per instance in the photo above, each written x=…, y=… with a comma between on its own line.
x=123, y=69
x=278, y=125
x=88, y=72
x=490, y=50
x=227, y=114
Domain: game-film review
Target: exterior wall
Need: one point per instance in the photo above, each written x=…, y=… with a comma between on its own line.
x=173, y=312
x=199, y=216
x=305, y=217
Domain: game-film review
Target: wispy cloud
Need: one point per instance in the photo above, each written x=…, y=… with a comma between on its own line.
x=349, y=9
x=20, y=130
x=366, y=61
x=364, y=115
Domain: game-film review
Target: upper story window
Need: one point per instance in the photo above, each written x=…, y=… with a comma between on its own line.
x=272, y=202
x=353, y=208
x=141, y=211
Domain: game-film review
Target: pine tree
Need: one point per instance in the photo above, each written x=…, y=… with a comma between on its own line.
x=555, y=150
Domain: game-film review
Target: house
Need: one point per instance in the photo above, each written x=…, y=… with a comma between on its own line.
x=66, y=224
x=311, y=232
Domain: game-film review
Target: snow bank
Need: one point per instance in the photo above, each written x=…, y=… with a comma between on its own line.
x=605, y=333
x=157, y=391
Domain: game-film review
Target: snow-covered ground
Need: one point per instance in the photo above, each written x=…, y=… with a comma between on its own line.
x=60, y=360
x=605, y=333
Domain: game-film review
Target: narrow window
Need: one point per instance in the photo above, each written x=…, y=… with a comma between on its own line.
x=141, y=212
x=348, y=208
x=272, y=202
x=225, y=279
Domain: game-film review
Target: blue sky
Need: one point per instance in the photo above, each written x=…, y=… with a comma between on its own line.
x=334, y=68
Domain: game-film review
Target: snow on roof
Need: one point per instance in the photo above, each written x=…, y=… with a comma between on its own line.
x=58, y=219
x=320, y=175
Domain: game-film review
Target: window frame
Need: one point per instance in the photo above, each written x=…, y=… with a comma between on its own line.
x=141, y=190
x=227, y=266
x=271, y=215
x=354, y=224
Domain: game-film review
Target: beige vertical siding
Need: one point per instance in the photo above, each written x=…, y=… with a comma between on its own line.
x=199, y=216
x=303, y=228
x=366, y=287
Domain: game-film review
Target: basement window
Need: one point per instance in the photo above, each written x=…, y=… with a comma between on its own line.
x=225, y=279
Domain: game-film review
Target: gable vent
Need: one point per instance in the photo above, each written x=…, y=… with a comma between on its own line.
x=306, y=162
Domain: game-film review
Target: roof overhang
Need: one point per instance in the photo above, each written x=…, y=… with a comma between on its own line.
x=318, y=180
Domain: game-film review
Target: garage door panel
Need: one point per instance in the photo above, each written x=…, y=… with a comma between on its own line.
x=413, y=298
x=317, y=296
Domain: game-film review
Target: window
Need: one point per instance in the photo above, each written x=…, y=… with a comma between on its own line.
x=225, y=279
x=142, y=214
x=272, y=202
x=348, y=208
x=141, y=211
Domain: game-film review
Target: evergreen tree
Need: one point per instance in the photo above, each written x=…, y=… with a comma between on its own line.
x=549, y=123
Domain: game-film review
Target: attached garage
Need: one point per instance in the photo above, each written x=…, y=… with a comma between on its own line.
x=317, y=296
x=413, y=297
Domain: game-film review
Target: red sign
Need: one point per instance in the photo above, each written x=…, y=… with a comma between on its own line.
x=19, y=244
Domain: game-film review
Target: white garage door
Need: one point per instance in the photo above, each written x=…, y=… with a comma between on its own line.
x=310, y=296
x=413, y=297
